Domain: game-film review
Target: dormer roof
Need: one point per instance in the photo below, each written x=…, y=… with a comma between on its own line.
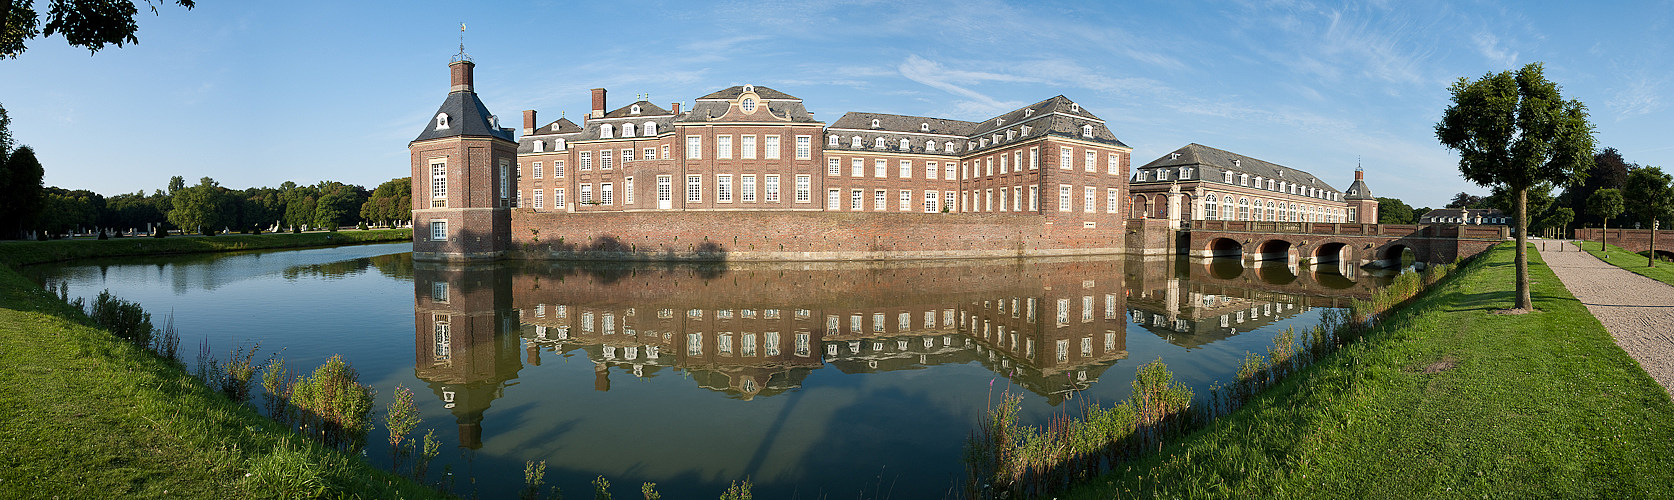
x=464, y=116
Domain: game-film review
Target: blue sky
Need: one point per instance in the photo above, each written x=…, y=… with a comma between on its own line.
x=258, y=93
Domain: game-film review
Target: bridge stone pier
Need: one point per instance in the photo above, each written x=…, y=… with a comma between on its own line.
x=1359, y=244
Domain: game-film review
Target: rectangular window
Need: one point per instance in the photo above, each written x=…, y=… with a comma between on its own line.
x=439, y=182
x=965, y=169
x=1034, y=158
x=558, y=201
x=880, y=169
x=748, y=145
x=628, y=191
x=747, y=187
x=540, y=202
x=605, y=162
x=694, y=188
x=1064, y=198
x=1110, y=201
x=833, y=167
x=587, y=194
x=665, y=190
x=723, y=147
x=931, y=200
x=438, y=230
x=607, y=194
x=694, y=149
x=947, y=199
x=857, y=167
x=1003, y=196
x=947, y=171
x=804, y=147
x=772, y=188
x=1017, y=160
x=505, y=181
x=1005, y=164
x=650, y=154
x=1089, y=195
x=586, y=161
x=1113, y=164
x=537, y=168
x=988, y=200
x=723, y=188
x=804, y=189
x=906, y=200
x=930, y=170
x=557, y=169
x=1065, y=156
x=857, y=200
x=627, y=155
x=833, y=199
x=665, y=153
x=988, y=166
x=906, y=169
x=880, y=201
x=770, y=147
x=1016, y=198
x=1034, y=198
x=1091, y=162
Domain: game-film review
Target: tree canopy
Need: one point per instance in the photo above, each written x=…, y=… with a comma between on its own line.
x=1465, y=200
x=1394, y=211
x=1651, y=193
x=1515, y=130
x=90, y=24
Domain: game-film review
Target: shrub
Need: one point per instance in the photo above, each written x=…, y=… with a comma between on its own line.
x=159, y=233
x=168, y=340
x=332, y=405
x=296, y=229
x=238, y=372
x=127, y=320
x=364, y=227
x=402, y=417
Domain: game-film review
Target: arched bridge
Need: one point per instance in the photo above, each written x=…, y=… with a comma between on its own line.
x=1359, y=244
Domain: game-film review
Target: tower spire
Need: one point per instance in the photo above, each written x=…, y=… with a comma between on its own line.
x=461, y=56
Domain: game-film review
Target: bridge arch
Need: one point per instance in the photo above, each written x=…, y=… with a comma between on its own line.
x=1276, y=249
x=1394, y=255
x=1225, y=247
x=1332, y=251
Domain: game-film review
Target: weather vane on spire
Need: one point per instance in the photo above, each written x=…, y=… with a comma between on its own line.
x=461, y=56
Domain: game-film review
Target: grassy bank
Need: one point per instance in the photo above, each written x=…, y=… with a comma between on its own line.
x=86, y=414
x=1443, y=398
x=18, y=253
x=1620, y=257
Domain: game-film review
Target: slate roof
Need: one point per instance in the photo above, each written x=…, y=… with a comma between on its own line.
x=1057, y=116
x=562, y=126
x=904, y=123
x=765, y=93
x=645, y=109
x=467, y=117
x=1210, y=163
x=1359, y=191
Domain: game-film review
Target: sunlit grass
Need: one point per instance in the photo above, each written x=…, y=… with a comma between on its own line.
x=1637, y=263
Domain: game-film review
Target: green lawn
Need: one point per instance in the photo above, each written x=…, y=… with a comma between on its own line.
x=86, y=415
x=1445, y=399
x=34, y=252
x=1620, y=257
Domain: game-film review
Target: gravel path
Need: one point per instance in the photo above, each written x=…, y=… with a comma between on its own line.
x=1638, y=311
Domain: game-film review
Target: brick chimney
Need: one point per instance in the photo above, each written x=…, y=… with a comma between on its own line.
x=1359, y=175
x=676, y=108
x=462, y=76
x=598, y=103
x=528, y=121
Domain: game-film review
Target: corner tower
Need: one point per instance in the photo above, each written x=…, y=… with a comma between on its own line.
x=1363, y=207
x=463, y=177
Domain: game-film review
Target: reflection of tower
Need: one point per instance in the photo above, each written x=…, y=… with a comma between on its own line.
x=464, y=339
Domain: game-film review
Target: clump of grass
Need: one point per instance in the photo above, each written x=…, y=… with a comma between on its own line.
x=127, y=320
x=288, y=471
x=239, y=371
x=738, y=491
x=332, y=405
x=650, y=491
x=534, y=475
x=167, y=342
x=601, y=488
x=276, y=389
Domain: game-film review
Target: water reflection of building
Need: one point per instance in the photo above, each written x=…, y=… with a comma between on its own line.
x=465, y=344
x=1192, y=302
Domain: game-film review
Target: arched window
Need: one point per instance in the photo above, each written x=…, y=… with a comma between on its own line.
x=1086, y=130
x=539, y=146
x=650, y=129
x=875, y=123
x=1226, y=207
x=634, y=110
x=627, y=130
x=855, y=142
x=878, y=143
x=1243, y=209
x=606, y=131
x=1210, y=212
x=1137, y=210
x=930, y=146
x=557, y=144
x=1243, y=179
x=905, y=145
x=1269, y=213
x=924, y=127
x=834, y=140
x=441, y=121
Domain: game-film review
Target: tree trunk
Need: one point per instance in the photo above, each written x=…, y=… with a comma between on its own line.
x=1524, y=302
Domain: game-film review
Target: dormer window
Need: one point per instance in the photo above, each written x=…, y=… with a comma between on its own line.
x=1236, y=162
x=879, y=143
x=1075, y=108
x=1141, y=176
x=834, y=140
x=627, y=130
x=971, y=145
x=539, y=146
x=930, y=146
x=606, y=131
x=1086, y=130
x=650, y=129
x=441, y=121
x=1176, y=156
x=554, y=126
x=1028, y=112
x=905, y=145
x=996, y=138
x=999, y=121
x=557, y=144
x=1011, y=134
x=1025, y=130
x=984, y=142
x=923, y=127
x=875, y=123
x=749, y=105
x=855, y=142
x=634, y=109
x=750, y=89
x=949, y=147
x=1226, y=177
x=493, y=121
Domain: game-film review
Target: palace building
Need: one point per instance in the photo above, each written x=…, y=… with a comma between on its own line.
x=748, y=173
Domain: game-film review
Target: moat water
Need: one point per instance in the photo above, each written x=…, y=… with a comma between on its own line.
x=812, y=380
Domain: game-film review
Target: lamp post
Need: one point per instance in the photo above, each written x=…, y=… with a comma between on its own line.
x=1655, y=224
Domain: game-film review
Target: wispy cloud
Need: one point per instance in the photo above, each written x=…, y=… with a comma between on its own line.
x=957, y=82
x=1642, y=96
x=1489, y=46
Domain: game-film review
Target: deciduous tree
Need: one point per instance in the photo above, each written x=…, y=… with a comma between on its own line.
x=1606, y=204
x=1514, y=129
x=90, y=24
x=1394, y=211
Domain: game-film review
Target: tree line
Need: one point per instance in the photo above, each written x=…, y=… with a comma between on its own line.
x=205, y=208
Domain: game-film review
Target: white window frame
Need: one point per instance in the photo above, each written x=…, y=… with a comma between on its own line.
x=694, y=148
x=804, y=188
x=771, y=186
x=804, y=147
x=694, y=188
x=558, y=201
x=747, y=188
x=438, y=230
x=723, y=188
x=723, y=147
x=770, y=147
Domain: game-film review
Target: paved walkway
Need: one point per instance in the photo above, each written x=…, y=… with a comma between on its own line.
x=1638, y=311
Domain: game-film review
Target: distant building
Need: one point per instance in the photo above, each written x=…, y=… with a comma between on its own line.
x=1220, y=185
x=1465, y=216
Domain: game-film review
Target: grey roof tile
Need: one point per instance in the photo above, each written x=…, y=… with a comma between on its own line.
x=467, y=117
x=1211, y=163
